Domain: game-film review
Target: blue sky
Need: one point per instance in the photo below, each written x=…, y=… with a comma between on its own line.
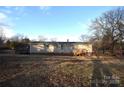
x=62, y=23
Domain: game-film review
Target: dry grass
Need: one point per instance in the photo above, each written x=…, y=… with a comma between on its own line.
x=40, y=70
x=117, y=68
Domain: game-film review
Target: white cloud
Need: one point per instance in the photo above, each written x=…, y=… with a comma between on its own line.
x=45, y=9
x=17, y=10
x=5, y=26
x=2, y=16
x=7, y=11
x=6, y=22
x=7, y=31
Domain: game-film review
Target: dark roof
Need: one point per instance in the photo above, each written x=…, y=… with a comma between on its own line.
x=34, y=42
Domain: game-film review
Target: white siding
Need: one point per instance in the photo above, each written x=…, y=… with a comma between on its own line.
x=37, y=48
x=58, y=48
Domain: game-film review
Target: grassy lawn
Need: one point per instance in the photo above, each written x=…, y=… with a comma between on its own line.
x=59, y=71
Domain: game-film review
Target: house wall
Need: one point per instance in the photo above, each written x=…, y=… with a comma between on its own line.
x=37, y=48
x=87, y=47
x=58, y=47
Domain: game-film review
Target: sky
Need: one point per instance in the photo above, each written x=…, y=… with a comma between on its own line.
x=52, y=22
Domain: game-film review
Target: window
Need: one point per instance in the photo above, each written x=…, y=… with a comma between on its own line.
x=62, y=46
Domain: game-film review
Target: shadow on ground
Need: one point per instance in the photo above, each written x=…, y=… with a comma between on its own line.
x=102, y=75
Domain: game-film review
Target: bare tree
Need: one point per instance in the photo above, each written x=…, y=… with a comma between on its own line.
x=53, y=39
x=17, y=39
x=84, y=38
x=25, y=40
x=42, y=38
x=2, y=37
x=110, y=27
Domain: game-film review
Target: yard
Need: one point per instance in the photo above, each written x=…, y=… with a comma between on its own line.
x=60, y=71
